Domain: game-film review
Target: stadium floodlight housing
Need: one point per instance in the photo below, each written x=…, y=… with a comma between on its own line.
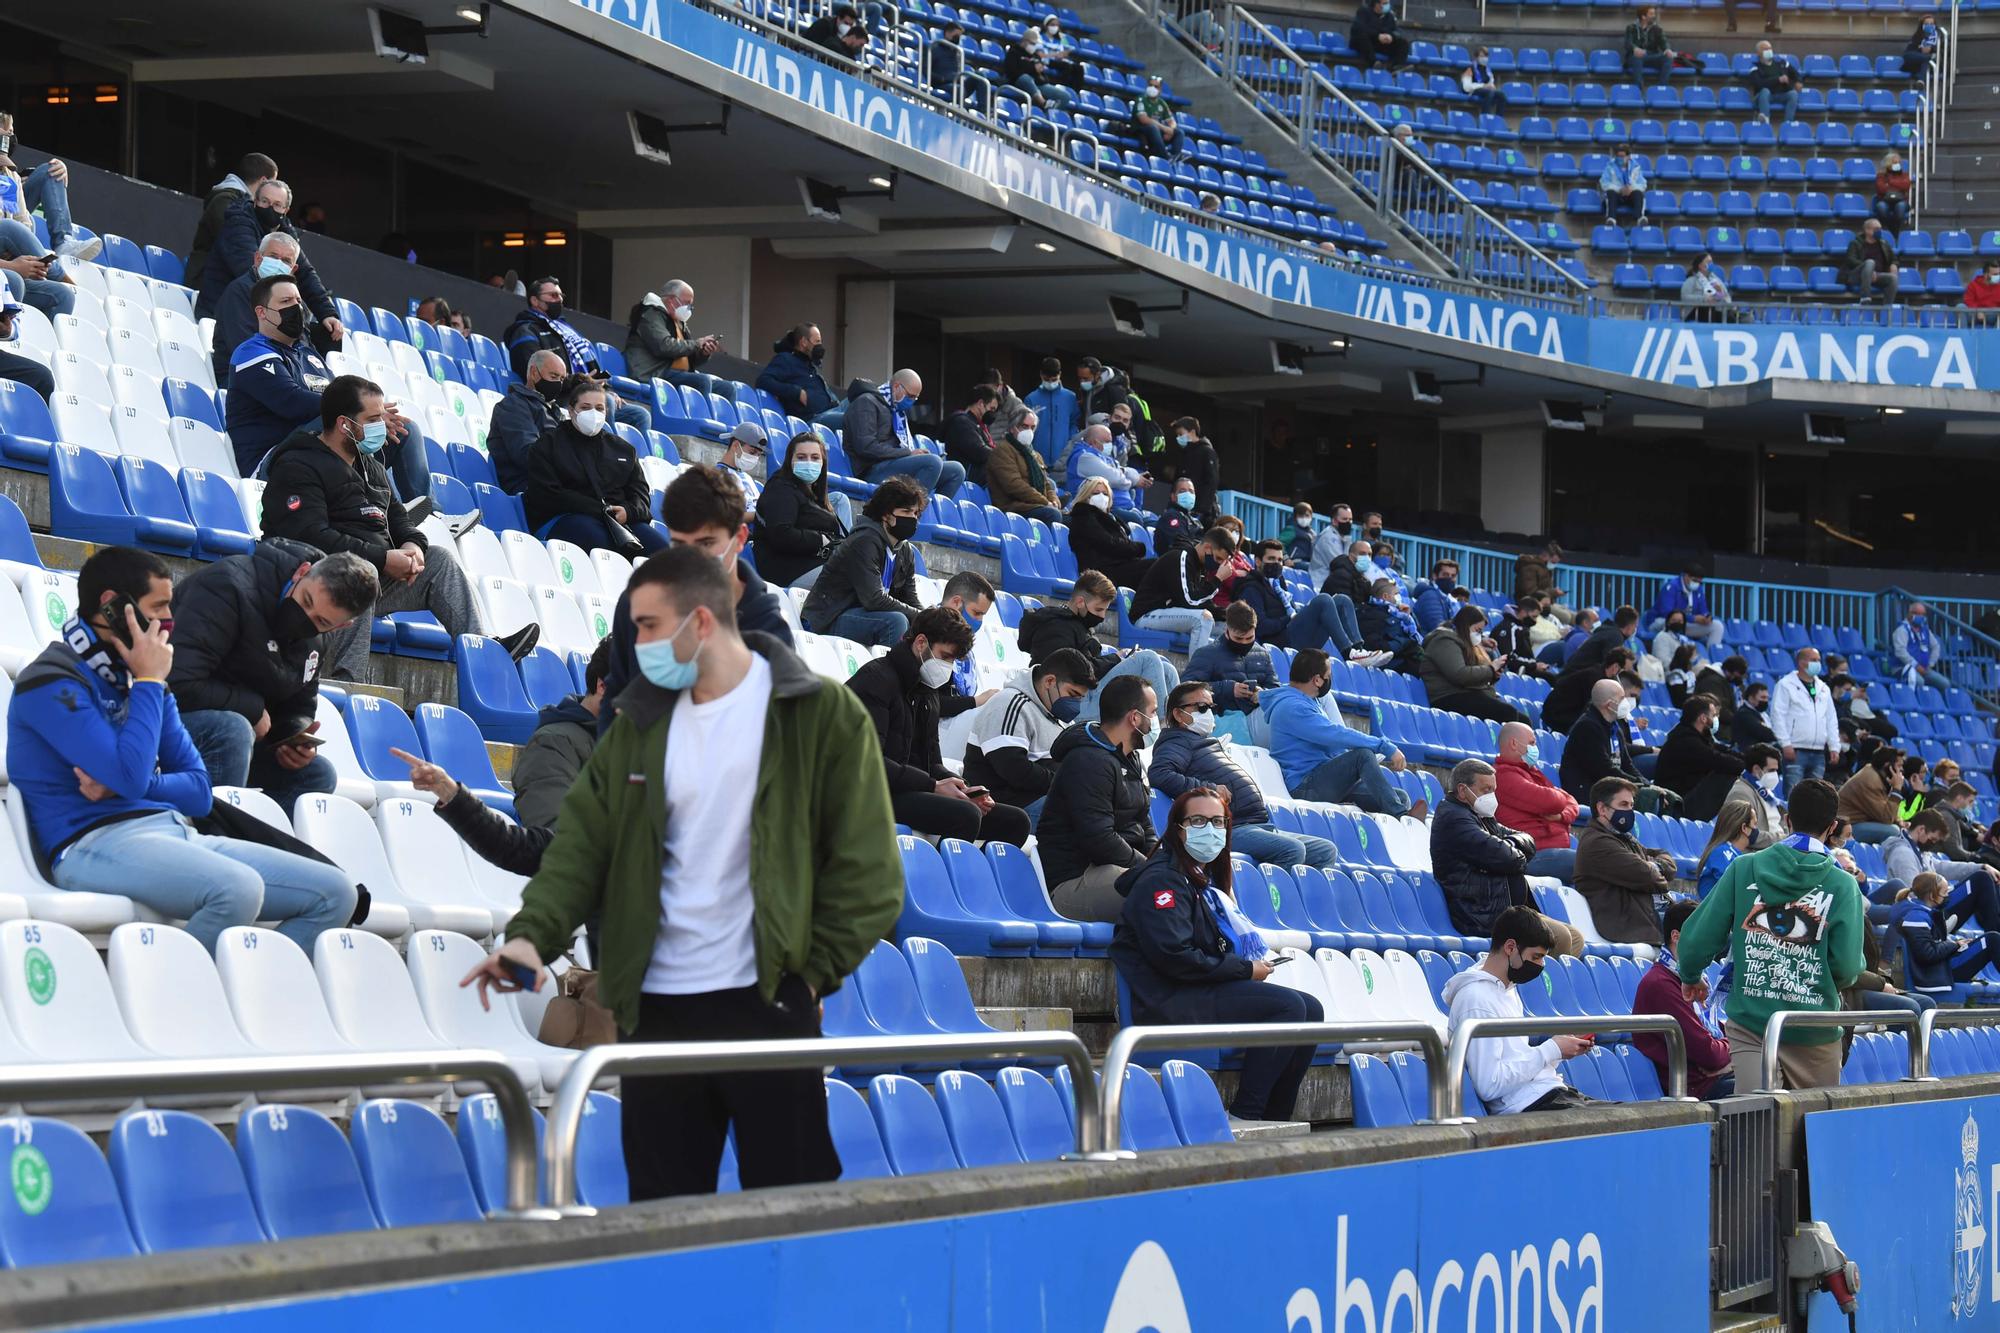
x=1563, y=414
x=1825, y=428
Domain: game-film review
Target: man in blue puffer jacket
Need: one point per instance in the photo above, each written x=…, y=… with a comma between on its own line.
x=1434, y=603
x=1187, y=754
x=793, y=378
x=1238, y=666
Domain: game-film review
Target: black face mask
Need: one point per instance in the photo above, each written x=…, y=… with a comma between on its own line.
x=550, y=389
x=292, y=623
x=1446, y=584
x=292, y=321
x=819, y=354
x=1117, y=430
x=1239, y=649
x=1090, y=620
x=1343, y=528
x=553, y=311
x=1319, y=691
x=903, y=528
x=1522, y=973
x=1274, y=572
x=268, y=218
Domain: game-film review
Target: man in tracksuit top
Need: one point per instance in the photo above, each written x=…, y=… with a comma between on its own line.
x=113, y=783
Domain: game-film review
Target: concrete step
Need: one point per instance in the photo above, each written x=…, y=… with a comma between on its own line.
x=1030, y=1020
x=1086, y=987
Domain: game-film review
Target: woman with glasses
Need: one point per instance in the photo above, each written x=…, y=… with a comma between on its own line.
x=1189, y=956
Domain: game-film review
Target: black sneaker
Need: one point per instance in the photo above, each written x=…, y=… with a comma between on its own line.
x=418, y=509
x=522, y=641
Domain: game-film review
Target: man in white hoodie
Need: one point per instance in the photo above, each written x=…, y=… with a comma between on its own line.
x=1803, y=717
x=1508, y=1074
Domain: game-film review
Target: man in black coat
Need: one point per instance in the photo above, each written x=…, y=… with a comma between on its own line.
x=1692, y=764
x=1570, y=698
x=1372, y=36
x=235, y=253
x=1590, y=654
x=1481, y=865
x=967, y=441
x=901, y=692
x=249, y=632
x=327, y=490
x=1725, y=686
x=1590, y=752
x=1348, y=576
x=522, y=416
x=1099, y=815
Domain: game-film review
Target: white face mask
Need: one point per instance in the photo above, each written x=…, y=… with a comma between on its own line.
x=1202, y=724
x=683, y=313
x=934, y=674
x=1101, y=503
x=843, y=27
x=1768, y=781
x=589, y=421
x=1025, y=436
x=1624, y=709
x=1486, y=806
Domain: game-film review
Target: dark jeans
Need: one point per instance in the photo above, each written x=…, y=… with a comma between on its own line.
x=1397, y=52
x=1722, y=1087
x=1975, y=898
x=1268, y=1087
x=1354, y=777
x=1327, y=616
x=26, y=370
x=1625, y=207
x=230, y=752
x=1704, y=799
x=1479, y=703
x=589, y=532
x=949, y=817
x=1639, y=67
x=674, y=1126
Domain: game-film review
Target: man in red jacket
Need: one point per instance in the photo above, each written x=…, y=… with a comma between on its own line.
x=1660, y=992
x=1531, y=804
x=1983, y=292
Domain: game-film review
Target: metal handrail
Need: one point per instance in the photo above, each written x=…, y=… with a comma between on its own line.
x=1472, y=1029
x=1774, y=1032
x=1931, y=1019
x=565, y=1119
x=265, y=1073
x=1132, y=1040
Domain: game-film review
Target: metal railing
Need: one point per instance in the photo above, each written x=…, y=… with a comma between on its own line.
x=565, y=1120
x=265, y=1073
x=1951, y=619
x=1930, y=1020
x=1405, y=191
x=1774, y=1030
x=1130, y=1041
x=1473, y=1029
x=1940, y=81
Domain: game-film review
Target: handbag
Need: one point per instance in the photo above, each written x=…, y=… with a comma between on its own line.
x=574, y=1019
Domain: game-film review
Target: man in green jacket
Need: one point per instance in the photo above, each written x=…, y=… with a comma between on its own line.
x=737, y=883
x=1791, y=920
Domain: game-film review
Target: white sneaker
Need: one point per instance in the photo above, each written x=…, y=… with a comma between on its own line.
x=1360, y=655
x=76, y=247
x=1379, y=659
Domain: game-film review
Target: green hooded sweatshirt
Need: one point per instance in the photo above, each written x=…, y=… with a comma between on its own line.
x=1791, y=920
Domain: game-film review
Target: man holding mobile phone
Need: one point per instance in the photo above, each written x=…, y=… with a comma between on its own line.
x=1508, y=1074
x=251, y=642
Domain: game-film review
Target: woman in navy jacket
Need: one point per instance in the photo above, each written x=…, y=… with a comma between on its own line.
x=1188, y=956
x=1934, y=962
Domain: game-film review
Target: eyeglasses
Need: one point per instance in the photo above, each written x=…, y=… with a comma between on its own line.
x=1204, y=821
x=1199, y=708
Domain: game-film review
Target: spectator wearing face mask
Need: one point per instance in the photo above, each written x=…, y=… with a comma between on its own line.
x=1098, y=820
x=235, y=318
x=1593, y=750
x=793, y=377
x=276, y=375
x=524, y=414
x=1323, y=760
x=867, y=591
x=798, y=519
x=1434, y=603
x=1093, y=453
x=1179, y=526
x=1200, y=463
x=1518, y=635
x=1774, y=81
x=244, y=227
x=1737, y=830
x=1619, y=878
x=1803, y=719
x=1683, y=593
x=1099, y=541
x=1330, y=544
x=1935, y=960
x=1869, y=800
x=1282, y=620
x=1074, y=624
x=1386, y=627
x=967, y=441
x=1458, y=673
x=659, y=344
x=1922, y=48
x=584, y=478
x=541, y=327
x=1190, y=753
x=839, y=32
x=1010, y=749
x=1506, y=1073
x=1758, y=789
x=1177, y=592
x=1694, y=765
x=1660, y=992
x=1975, y=894
x=1481, y=865
x=251, y=172
x=879, y=440
x=1982, y=294
x=1916, y=648
x=901, y=692
x=1529, y=803
x=1752, y=725
x=1017, y=479
x=1057, y=417
x=1238, y=667
x=1296, y=539
x=1352, y=575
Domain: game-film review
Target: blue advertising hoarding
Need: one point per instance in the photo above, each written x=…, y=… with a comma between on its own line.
x=1910, y=1191
x=1688, y=355
x=1523, y=1238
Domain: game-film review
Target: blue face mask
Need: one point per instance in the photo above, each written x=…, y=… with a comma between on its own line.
x=1185, y=499
x=1363, y=563
x=658, y=664
x=270, y=266
x=1067, y=709
x=1533, y=755
x=972, y=620
x=1814, y=668
x=1204, y=844
x=373, y=436
x=806, y=472
x=1918, y=619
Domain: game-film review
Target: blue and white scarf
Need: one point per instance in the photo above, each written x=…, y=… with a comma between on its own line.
x=1921, y=644
x=582, y=356
x=899, y=414
x=1242, y=935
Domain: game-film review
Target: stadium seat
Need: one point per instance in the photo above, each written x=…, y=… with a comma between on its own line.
x=601, y=1181
x=913, y=1133
x=410, y=1165
x=212, y=506
x=167, y=989
x=1378, y=1097
x=64, y=1205
x=452, y=741
x=974, y=1121
x=482, y=1141
x=931, y=909
x=437, y=961
x=1035, y=1112
x=301, y=1173
x=378, y=726
x=855, y=1139
x=371, y=1002
x=181, y=1183
x=1194, y=1104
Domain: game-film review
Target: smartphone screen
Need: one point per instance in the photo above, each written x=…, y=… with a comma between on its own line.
x=114, y=616
x=1277, y=960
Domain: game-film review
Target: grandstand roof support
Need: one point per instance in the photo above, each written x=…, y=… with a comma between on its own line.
x=442, y=67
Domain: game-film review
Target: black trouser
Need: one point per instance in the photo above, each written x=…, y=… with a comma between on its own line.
x=949, y=817
x=1560, y=1099
x=26, y=370
x=1268, y=1086
x=1704, y=799
x=1476, y=703
x=674, y=1126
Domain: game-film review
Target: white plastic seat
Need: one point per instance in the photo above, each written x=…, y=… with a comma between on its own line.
x=205, y=331
x=250, y=492
x=437, y=960
x=168, y=992
x=386, y=375
x=659, y=472
x=614, y=571
x=1415, y=989
x=442, y=426
x=341, y=363
x=57, y=998
x=121, y=313
x=83, y=338
x=82, y=422
x=571, y=564
x=366, y=348
x=527, y=559
x=1378, y=982
x=20, y=640
x=142, y=436
x=35, y=334
x=33, y=896
x=185, y=360
x=253, y=801
x=351, y=780
x=273, y=995
x=422, y=849
x=173, y=297
x=480, y=554
x=138, y=389
x=48, y=596
x=129, y=347
x=1263, y=768
x=87, y=276
x=409, y=361
x=597, y=612
x=1301, y=975
x=500, y=887
x=170, y=325
x=343, y=831
x=196, y=444
x=88, y=306
x=508, y=604
x=563, y=627
x=130, y=289
x=1352, y=999
x=77, y=374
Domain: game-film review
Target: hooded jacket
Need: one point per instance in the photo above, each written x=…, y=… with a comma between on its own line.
x=1448, y=667
x=1184, y=758
x=1688, y=756
x=1531, y=804
x=565, y=737
x=1620, y=881
x=315, y=496
x=1272, y=603
x=1056, y=417
x=520, y=418
x=1168, y=947
x=1180, y=581
x=794, y=379
x=573, y=473
x=1433, y=607
x=1707, y=1055
x=1481, y=866
x=1507, y=1073
x=757, y=611
x=1220, y=664
x=235, y=250
x=1790, y=920
x=228, y=192
x=825, y=874
x=1928, y=948
x=656, y=342
x=531, y=332
x=1345, y=579
x=228, y=655
x=1047, y=629
x=1099, y=811
x=874, y=432
x=1385, y=628
x=905, y=713
x=852, y=578
x=795, y=530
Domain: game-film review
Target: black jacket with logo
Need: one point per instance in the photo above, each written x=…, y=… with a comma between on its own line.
x=315, y=496
x=227, y=651
x=1099, y=811
x=905, y=713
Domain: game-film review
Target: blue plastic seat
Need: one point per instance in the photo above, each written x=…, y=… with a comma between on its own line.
x=377, y=726
x=490, y=689
x=184, y=398
x=301, y=1173
x=545, y=679
x=600, y=1153
x=974, y=1121
x=212, y=504
x=451, y=740
x=181, y=1183
x=979, y=895
x=913, y=1134
x=1145, y=1125
x=1194, y=1103
x=932, y=909
x=482, y=1142
x=164, y=265
x=1041, y=1124
x=64, y=1205
x=410, y=1165
x=855, y=1139
x=160, y=519
x=1378, y=1098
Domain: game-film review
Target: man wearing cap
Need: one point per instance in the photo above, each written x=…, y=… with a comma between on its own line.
x=21, y=369
x=658, y=344
x=745, y=458
x=1153, y=120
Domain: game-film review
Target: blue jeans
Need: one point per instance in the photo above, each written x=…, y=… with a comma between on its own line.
x=232, y=757
x=634, y=414
x=929, y=471
x=1161, y=674
x=1052, y=94
x=1909, y=1002
x=1790, y=103
x=1867, y=830
x=1326, y=616
x=51, y=298
x=589, y=532
x=211, y=883
x=1640, y=66
x=834, y=417
x=410, y=465
x=44, y=192
x=1809, y=764
x=871, y=628
x=1354, y=778
x=1192, y=621
x=1271, y=846
x=1555, y=862
x=1157, y=142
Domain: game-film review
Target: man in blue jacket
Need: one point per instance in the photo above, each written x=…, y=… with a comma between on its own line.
x=1321, y=759
x=1325, y=616
x=793, y=378
x=1238, y=667
x=1189, y=754
x=1434, y=604
x=1055, y=410
x=1682, y=592
x=113, y=783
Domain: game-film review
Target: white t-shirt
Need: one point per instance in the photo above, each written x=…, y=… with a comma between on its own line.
x=713, y=749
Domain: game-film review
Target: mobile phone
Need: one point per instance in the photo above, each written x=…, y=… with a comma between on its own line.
x=519, y=973
x=304, y=738
x=1278, y=960
x=114, y=618
x=977, y=791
